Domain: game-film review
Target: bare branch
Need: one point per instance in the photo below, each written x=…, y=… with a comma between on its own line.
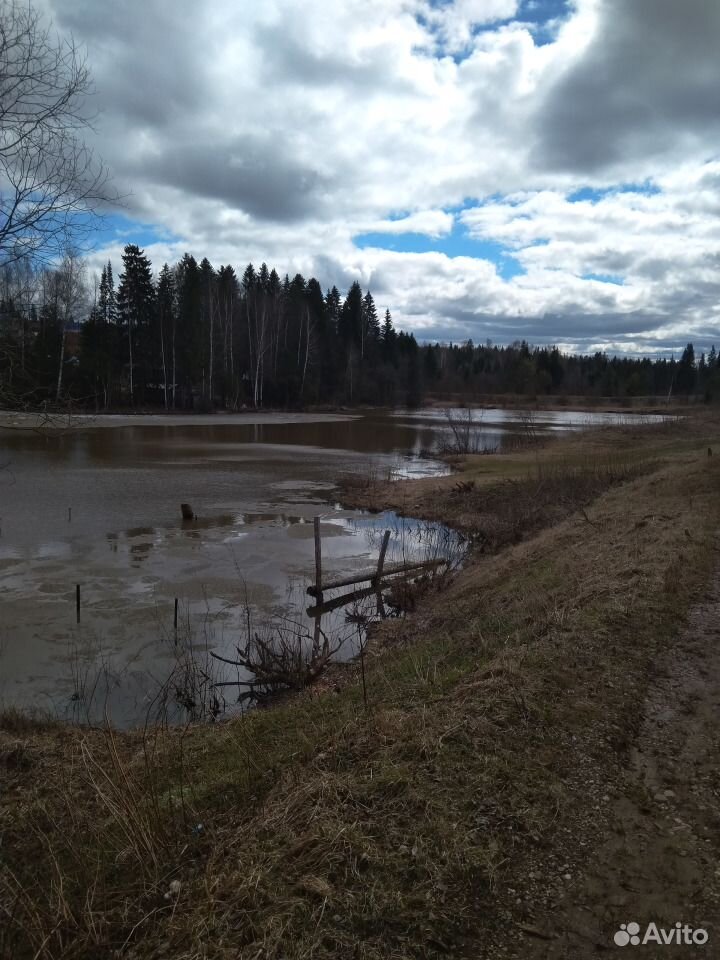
x=52, y=184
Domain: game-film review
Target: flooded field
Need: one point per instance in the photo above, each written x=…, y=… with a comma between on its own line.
x=99, y=506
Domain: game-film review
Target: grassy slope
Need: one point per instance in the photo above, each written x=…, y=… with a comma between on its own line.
x=500, y=716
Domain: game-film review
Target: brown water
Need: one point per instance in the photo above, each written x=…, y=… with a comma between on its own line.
x=99, y=506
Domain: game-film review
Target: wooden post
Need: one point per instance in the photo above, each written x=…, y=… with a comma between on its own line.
x=381, y=558
x=389, y=569
x=318, y=560
x=77, y=602
x=176, y=613
x=69, y=514
x=362, y=673
x=380, y=603
x=187, y=511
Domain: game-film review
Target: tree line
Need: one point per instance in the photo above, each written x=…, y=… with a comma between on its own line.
x=197, y=337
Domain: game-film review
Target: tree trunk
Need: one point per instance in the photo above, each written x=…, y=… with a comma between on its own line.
x=60, y=365
x=173, y=365
x=164, y=364
x=130, y=346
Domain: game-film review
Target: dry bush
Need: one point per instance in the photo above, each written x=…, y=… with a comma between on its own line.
x=282, y=657
x=462, y=436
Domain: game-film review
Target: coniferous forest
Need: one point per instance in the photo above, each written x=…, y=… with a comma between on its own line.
x=195, y=337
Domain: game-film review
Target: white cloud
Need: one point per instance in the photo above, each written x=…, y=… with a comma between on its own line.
x=278, y=131
x=432, y=223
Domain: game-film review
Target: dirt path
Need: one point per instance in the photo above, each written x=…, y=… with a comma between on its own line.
x=660, y=861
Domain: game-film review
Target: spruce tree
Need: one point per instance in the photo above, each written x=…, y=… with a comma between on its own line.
x=388, y=338
x=370, y=325
x=136, y=308
x=166, y=324
x=351, y=317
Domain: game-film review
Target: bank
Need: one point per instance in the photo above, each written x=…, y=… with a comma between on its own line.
x=456, y=808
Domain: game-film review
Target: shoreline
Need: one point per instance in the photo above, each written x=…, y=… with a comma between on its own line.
x=88, y=421
x=79, y=420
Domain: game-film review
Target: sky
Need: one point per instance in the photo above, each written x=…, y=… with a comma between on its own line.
x=546, y=170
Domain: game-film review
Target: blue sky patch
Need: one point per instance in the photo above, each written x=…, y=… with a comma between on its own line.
x=457, y=243
x=613, y=278
x=593, y=194
x=117, y=228
x=541, y=17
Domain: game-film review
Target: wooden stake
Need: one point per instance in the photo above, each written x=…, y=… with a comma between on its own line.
x=381, y=558
x=318, y=560
x=362, y=673
x=389, y=569
x=176, y=613
x=69, y=514
x=77, y=602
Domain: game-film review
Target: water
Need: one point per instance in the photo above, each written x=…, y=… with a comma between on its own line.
x=493, y=428
x=255, y=482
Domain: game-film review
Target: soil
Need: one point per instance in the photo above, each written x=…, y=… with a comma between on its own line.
x=657, y=858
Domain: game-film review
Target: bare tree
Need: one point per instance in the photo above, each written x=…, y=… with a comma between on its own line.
x=463, y=437
x=51, y=182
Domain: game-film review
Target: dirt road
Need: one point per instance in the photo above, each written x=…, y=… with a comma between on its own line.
x=659, y=863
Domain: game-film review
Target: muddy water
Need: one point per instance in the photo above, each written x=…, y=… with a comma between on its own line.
x=98, y=506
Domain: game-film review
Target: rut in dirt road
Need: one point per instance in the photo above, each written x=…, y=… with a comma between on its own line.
x=660, y=865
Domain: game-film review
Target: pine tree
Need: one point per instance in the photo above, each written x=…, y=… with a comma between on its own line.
x=208, y=314
x=107, y=300
x=370, y=325
x=388, y=337
x=333, y=307
x=686, y=372
x=189, y=344
x=228, y=300
x=167, y=317
x=136, y=307
x=350, y=326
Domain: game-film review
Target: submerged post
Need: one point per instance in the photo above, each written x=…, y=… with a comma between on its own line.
x=381, y=558
x=187, y=511
x=77, y=602
x=318, y=559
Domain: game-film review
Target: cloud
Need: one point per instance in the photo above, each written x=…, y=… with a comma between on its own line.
x=279, y=131
x=431, y=223
x=644, y=88
x=453, y=24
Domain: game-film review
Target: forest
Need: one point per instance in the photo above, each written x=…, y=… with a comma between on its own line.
x=193, y=337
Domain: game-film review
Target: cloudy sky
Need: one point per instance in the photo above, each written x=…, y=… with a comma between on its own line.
x=494, y=169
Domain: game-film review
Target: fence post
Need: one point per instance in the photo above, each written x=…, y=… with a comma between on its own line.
x=318, y=559
x=381, y=558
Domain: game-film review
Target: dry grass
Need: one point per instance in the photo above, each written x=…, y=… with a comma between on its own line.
x=498, y=714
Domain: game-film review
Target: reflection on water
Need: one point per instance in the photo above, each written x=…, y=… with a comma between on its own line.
x=101, y=509
x=245, y=562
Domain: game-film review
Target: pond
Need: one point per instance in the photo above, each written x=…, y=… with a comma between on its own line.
x=99, y=506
